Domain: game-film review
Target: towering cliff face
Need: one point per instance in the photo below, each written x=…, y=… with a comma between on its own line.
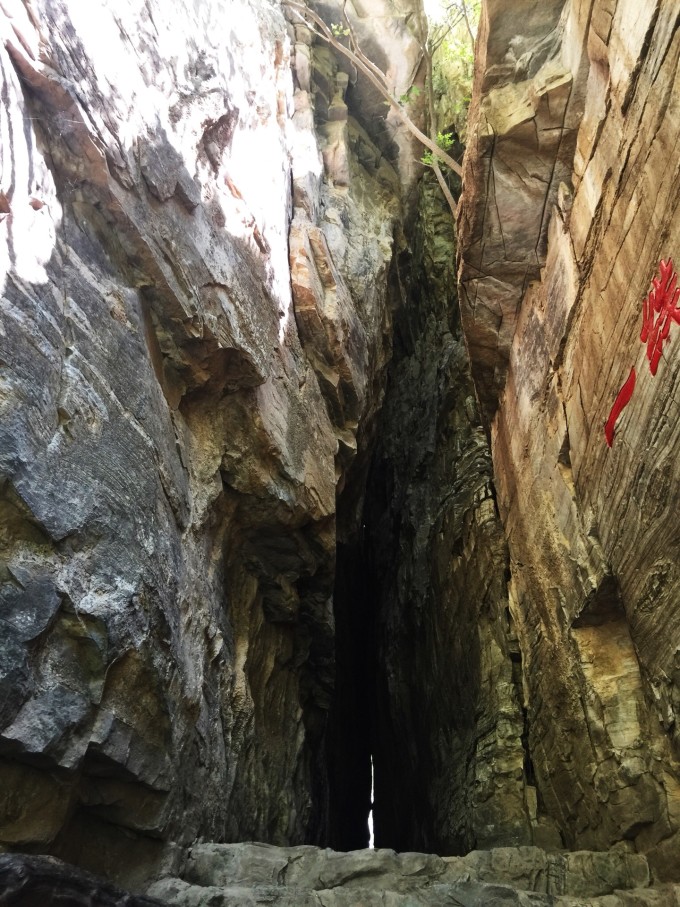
x=196, y=392
x=252, y=532
x=571, y=201
x=194, y=330
x=448, y=732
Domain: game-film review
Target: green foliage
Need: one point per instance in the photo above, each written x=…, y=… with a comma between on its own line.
x=451, y=45
x=445, y=141
x=340, y=31
x=410, y=95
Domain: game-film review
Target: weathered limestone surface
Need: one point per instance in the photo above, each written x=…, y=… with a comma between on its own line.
x=193, y=334
x=247, y=874
x=592, y=532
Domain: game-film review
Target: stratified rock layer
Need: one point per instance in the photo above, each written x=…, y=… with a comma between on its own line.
x=592, y=531
x=448, y=731
x=193, y=333
x=199, y=293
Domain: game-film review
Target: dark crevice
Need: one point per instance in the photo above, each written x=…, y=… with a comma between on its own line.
x=417, y=586
x=350, y=730
x=603, y=606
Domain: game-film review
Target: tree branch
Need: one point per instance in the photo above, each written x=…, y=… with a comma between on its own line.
x=443, y=185
x=467, y=23
x=376, y=77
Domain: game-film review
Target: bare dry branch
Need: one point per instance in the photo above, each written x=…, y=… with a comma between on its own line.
x=443, y=185
x=375, y=76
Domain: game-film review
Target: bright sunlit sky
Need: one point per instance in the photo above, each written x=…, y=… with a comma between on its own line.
x=434, y=9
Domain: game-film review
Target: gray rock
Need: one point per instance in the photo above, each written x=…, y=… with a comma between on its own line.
x=245, y=874
x=28, y=880
x=172, y=438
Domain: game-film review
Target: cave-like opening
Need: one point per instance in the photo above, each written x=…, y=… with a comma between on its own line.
x=360, y=780
x=419, y=579
x=350, y=732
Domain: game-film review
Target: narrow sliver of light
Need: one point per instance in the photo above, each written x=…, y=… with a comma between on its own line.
x=371, y=841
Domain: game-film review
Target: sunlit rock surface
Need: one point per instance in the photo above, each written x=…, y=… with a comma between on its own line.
x=193, y=332
x=570, y=202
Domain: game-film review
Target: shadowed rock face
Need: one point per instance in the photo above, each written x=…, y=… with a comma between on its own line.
x=448, y=726
x=27, y=881
x=592, y=531
x=195, y=348
x=199, y=291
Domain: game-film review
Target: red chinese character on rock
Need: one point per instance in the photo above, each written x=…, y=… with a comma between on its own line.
x=622, y=400
x=659, y=311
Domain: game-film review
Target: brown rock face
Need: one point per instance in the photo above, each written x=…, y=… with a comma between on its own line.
x=554, y=282
x=526, y=111
x=252, y=533
x=193, y=334
x=447, y=733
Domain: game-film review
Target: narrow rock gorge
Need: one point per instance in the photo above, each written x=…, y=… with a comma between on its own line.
x=302, y=482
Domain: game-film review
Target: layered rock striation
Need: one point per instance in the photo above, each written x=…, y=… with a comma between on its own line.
x=252, y=532
x=570, y=202
x=193, y=336
x=448, y=730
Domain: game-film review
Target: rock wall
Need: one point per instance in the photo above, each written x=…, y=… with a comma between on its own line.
x=571, y=200
x=243, y=874
x=252, y=535
x=194, y=329
x=237, y=875
x=448, y=727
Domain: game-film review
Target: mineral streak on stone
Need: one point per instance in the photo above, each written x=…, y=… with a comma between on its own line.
x=193, y=335
x=568, y=208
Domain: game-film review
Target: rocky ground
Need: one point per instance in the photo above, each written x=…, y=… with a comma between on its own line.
x=241, y=875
